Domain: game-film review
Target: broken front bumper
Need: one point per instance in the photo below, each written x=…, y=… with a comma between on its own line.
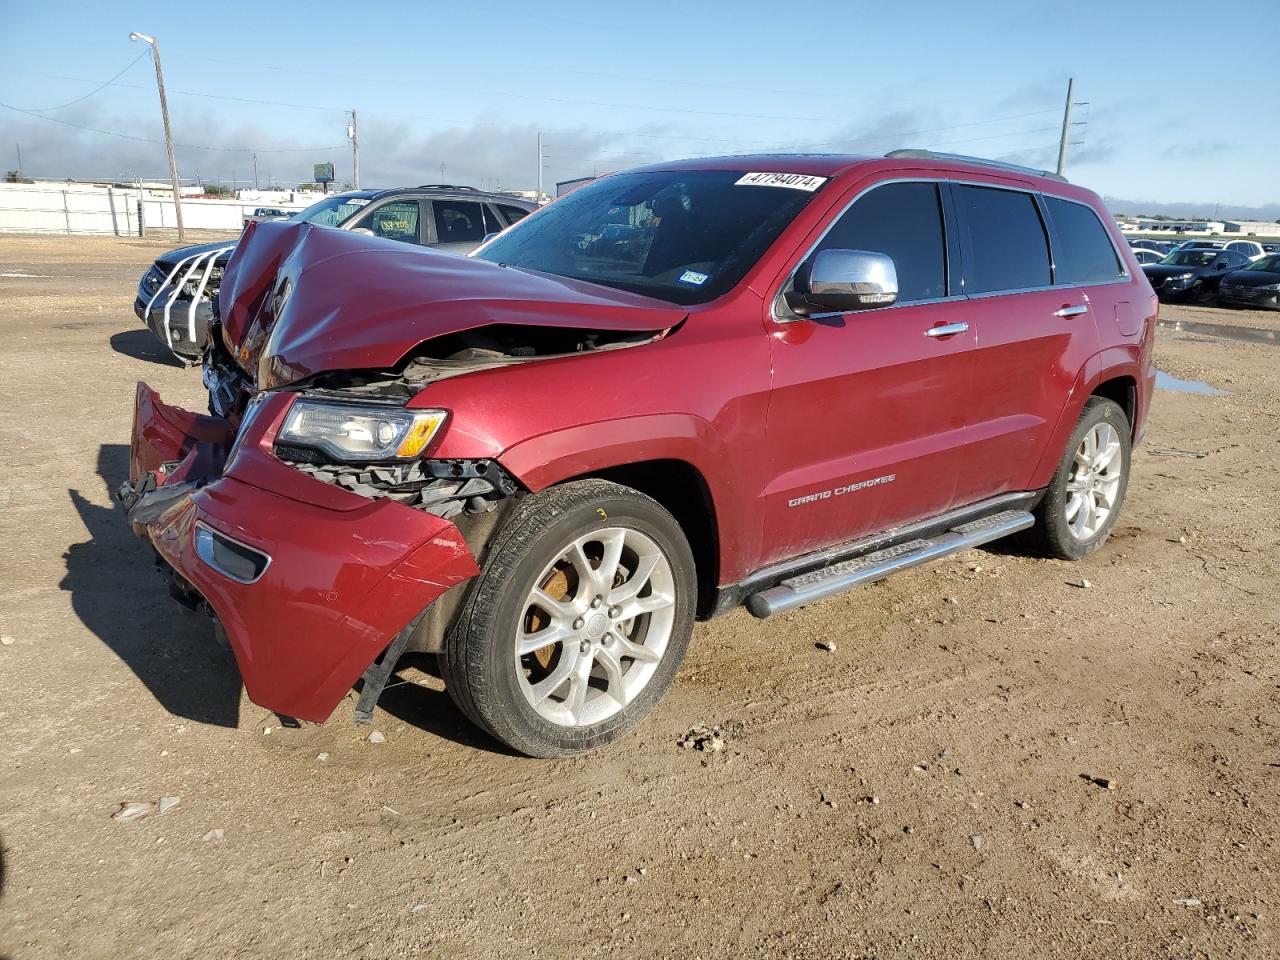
x=311, y=583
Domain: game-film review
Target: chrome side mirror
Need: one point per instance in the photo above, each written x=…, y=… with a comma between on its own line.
x=838, y=281
x=363, y=231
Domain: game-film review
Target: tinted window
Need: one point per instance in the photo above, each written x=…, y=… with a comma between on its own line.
x=1083, y=252
x=395, y=221
x=459, y=221
x=513, y=213
x=1007, y=245
x=686, y=236
x=492, y=222
x=903, y=220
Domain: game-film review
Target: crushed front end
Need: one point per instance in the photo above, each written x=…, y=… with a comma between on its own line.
x=314, y=569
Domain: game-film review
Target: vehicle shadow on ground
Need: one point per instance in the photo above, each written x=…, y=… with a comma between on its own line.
x=433, y=710
x=117, y=593
x=143, y=345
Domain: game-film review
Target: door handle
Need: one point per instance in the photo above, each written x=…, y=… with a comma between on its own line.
x=1075, y=311
x=946, y=330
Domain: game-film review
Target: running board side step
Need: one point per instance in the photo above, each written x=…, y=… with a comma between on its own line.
x=798, y=590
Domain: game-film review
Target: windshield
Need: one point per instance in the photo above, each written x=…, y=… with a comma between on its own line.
x=1191, y=258
x=682, y=236
x=331, y=211
x=1271, y=263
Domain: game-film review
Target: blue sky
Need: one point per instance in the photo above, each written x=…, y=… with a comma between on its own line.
x=469, y=85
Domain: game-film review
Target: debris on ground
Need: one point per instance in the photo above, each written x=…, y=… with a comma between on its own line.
x=826, y=645
x=377, y=737
x=1106, y=783
x=322, y=756
x=976, y=840
x=7, y=640
x=135, y=810
x=709, y=739
x=1188, y=902
x=167, y=803
x=215, y=835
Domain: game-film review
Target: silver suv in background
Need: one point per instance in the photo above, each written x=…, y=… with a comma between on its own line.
x=175, y=297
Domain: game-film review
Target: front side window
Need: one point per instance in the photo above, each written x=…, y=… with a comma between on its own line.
x=396, y=221
x=1007, y=245
x=459, y=221
x=903, y=220
x=1082, y=252
x=685, y=236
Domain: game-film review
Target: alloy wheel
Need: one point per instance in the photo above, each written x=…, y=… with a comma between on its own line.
x=595, y=626
x=1094, y=482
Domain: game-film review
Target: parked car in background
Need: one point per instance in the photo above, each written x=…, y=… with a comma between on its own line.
x=1201, y=245
x=1250, y=248
x=175, y=297
x=1160, y=246
x=269, y=213
x=1257, y=285
x=1144, y=256
x=756, y=380
x=1271, y=247
x=1192, y=274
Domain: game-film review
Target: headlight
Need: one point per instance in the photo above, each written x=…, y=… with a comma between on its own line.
x=350, y=431
x=1184, y=276
x=1270, y=287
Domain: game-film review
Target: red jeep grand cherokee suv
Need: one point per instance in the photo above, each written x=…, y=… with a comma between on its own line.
x=758, y=380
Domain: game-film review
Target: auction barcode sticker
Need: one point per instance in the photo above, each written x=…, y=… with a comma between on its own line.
x=795, y=181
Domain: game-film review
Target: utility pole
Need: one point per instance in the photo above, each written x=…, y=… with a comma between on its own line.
x=255, y=170
x=353, y=136
x=539, y=197
x=168, y=133
x=19, y=146
x=1066, y=130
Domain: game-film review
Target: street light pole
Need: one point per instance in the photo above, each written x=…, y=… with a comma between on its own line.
x=168, y=132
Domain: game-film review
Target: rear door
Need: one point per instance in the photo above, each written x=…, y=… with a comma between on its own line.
x=865, y=425
x=1033, y=335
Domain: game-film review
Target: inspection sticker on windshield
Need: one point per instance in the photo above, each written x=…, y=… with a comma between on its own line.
x=693, y=277
x=795, y=181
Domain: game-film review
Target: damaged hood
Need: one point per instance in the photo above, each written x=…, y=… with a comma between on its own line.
x=298, y=299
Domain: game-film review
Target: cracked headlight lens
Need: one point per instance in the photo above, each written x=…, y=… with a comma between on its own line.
x=360, y=431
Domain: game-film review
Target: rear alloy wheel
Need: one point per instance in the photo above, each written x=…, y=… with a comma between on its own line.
x=1084, y=498
x=577, y=624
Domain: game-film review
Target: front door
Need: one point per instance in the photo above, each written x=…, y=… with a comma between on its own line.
x=866, y=420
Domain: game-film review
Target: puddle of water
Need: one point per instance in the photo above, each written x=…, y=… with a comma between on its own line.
x=1223, y=330
x=1165, y=381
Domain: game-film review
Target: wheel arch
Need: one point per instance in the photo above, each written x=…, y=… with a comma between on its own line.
x=676, y=459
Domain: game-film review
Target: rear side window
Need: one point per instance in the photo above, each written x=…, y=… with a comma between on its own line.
x=903, y=220
x=513, y=213
x=1083, y=252
x=1007, y=246
x=458, y=221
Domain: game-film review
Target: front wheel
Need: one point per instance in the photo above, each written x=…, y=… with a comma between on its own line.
x=1086, y=493
x=578, y=622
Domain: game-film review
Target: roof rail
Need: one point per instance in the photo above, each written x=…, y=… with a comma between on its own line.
x=445, y=186
x=980, y=161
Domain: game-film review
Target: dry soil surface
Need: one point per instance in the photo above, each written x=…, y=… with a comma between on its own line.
x=1004, y=756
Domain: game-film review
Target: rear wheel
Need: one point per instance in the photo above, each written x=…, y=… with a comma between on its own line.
x=1086, y=493
x=578, y=622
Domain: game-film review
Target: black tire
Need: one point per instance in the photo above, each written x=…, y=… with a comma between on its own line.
x=1052, y=533
x=479, y=663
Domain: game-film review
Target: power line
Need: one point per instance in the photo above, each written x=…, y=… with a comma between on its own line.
x=101, y=86
x=185, y=146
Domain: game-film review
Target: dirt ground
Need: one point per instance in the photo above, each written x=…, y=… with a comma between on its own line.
x=932, y=788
